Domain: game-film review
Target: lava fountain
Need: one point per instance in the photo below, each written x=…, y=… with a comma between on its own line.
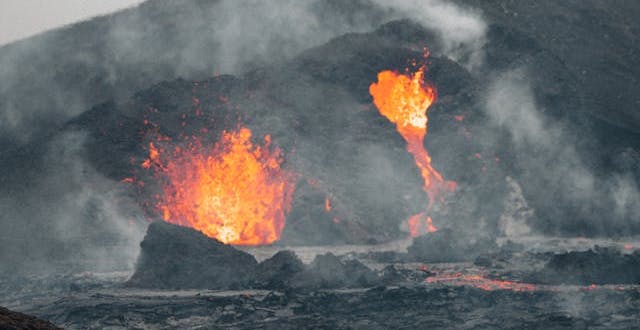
x=234, y=191
x=404, y=99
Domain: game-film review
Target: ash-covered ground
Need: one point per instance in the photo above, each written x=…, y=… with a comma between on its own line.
x=340, y=287
x=535, y=120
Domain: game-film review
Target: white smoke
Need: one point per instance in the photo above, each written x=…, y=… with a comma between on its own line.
x=626, y=196
x=547, y=153
x=74, y=216
x=513, y=221
x=462, y=30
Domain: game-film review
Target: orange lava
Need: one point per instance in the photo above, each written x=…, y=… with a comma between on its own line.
x=482, y=283
x=404, y=100
x=420, y=224
x=233, y=191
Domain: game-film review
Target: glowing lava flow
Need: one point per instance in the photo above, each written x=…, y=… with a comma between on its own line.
x=234, y=191
x=404, y=100
x=481, y=282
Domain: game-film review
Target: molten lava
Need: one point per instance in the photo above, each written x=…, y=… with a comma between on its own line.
x=481, y=282
x=404, y=100
x=420, y=224
x=234, y=191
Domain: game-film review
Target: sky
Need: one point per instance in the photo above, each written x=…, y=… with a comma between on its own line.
x=20, y=19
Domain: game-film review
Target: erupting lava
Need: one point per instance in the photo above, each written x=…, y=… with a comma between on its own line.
x=404, y=100
x=235, y=191
x=420, y=223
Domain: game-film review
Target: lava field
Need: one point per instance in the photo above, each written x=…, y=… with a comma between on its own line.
x=363, y=164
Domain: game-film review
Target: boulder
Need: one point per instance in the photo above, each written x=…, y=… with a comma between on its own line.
x=176, y=257
x=277, y=271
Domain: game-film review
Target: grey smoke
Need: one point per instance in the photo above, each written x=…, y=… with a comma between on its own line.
x=50, y=78
x=72, y=218
x=626, y=196
x=462, y=31
x=548, y=156
x=516, y=214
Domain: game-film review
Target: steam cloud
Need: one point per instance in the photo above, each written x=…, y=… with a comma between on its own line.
x=552, y=166
x=462, y=31
x=73, y=218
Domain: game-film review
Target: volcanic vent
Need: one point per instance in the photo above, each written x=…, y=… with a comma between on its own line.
x=404, y=99
x=236, y=189
x=233, y=190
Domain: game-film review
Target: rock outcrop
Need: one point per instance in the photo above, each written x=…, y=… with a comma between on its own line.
x=176, y=257
x=10, y=320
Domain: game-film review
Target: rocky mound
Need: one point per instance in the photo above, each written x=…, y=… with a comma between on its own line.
x=597, y=266
x=10, y=320
x=277, y=271
x=175, y=257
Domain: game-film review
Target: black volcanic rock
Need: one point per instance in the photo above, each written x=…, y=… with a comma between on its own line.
x=417, y=307
x=596, y=266
x=110, y=56
x=10, y=320
x=277, y=271
x=173, y=257
x=445, y=245
x=595, y=40
x=176, y=257
x=581, y=65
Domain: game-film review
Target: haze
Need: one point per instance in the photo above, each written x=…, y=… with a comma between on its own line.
x=20, y=19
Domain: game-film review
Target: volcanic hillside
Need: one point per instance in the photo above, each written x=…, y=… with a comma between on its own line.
x=522, y=117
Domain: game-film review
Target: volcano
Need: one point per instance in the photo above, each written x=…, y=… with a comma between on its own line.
x=324, y=164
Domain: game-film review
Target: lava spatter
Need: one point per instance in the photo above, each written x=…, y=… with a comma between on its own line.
x=404, y=99
x=234, y=190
